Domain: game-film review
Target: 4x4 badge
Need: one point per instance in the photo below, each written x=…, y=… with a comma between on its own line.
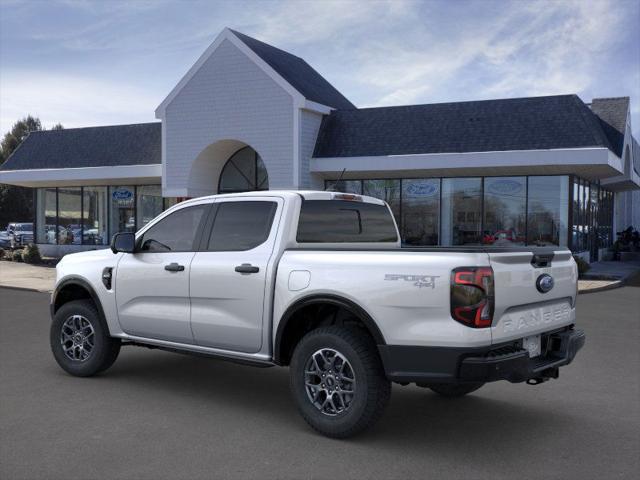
x=418, y=280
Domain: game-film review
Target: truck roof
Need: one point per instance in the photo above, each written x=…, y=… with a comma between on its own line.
x=306, y=194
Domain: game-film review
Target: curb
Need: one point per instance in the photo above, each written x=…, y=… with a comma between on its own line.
x=611, y=286
x=25, y=289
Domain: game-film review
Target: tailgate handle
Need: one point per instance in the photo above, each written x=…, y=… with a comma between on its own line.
x=541, y=260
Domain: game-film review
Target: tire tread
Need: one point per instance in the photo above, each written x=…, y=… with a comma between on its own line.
x=379, y=388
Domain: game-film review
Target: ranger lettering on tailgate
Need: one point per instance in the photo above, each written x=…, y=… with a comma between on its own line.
x=534, y=318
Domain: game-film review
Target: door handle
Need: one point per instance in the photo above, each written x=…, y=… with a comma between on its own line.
x=247, y=268
x=174, y=267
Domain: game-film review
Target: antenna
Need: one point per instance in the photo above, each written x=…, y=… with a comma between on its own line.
x=336, y=183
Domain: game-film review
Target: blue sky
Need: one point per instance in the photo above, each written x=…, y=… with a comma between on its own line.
x=86, y=63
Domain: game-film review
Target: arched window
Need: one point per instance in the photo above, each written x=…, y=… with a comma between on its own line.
x=243, y=172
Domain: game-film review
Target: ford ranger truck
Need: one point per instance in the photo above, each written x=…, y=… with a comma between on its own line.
x=318, y=282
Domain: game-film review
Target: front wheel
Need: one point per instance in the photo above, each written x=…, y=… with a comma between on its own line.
x=80, y=341
x=338, y=382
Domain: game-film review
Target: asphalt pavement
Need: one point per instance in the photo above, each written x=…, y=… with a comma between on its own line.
x=158, y=415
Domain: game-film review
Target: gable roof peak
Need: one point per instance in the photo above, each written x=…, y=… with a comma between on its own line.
x=292, y=73
x=297, y=73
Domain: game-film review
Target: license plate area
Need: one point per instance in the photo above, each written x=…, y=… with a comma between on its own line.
x=533, y=345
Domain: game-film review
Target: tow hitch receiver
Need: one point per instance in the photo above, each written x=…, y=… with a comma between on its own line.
x=545, y=375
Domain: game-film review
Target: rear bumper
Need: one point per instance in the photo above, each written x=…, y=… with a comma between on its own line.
x=408, y=364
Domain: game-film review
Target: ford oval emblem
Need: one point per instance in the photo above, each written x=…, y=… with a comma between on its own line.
x=544, y=283
x=122, y=194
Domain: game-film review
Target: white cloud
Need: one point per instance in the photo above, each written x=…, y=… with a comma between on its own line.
x=300, y=22
x=385, y=52
x=73, y=101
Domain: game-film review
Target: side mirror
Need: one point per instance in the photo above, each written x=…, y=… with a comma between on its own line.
x=123, y=242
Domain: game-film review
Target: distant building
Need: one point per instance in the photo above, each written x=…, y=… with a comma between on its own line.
x=248, y=116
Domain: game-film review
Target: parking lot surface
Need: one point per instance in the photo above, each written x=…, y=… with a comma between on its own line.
x=162, y=415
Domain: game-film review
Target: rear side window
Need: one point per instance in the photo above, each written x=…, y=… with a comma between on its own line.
x=340, y=221
x=241, y=225
x=174, y=233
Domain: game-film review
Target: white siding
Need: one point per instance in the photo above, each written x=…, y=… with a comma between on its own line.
x=229, y=98
x=309, y=126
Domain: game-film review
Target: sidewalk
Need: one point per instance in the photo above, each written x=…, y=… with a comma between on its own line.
x=607, y=275
x=28, y=277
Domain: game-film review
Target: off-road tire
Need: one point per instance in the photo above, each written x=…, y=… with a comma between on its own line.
x=372, y=391
x=105, y=348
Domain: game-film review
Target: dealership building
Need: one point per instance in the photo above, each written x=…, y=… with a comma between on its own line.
x=552, y=170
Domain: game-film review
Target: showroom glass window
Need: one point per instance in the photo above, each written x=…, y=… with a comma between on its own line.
x=548, y=210
x=70, y=216
x=593, y=206
x=46, y=215
x=94, y=216
x=387, y=190
x=149, y=204
x=122, y=217
x=346, y=186
x=461, y=211
x=169, y=202
x=505, y=215
x=421, y=211
x=605, y=219
x=575, y=214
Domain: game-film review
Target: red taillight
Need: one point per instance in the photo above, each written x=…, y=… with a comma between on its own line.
x=472, y=298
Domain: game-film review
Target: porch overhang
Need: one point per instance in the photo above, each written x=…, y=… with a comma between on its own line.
x=86, y=176
x=589, y=163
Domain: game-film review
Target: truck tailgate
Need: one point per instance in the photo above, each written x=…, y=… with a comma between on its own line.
x=522, y=307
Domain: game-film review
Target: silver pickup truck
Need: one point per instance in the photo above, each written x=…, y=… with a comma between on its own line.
x=319, y=282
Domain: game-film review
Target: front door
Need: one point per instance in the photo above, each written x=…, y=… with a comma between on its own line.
x=229, y=277
x=152, y=285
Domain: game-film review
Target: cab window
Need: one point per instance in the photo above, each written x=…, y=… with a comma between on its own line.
x=241, y=226
x=176, y=232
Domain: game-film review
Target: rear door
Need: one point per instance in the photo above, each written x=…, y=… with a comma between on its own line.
x=534, y=292
x=229, y=275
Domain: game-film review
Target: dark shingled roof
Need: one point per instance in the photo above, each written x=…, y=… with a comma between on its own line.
x=298, y=73
x=138, y=144
x=612, y=113
x=562, y=121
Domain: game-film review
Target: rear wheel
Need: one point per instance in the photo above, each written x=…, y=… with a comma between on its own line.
x=338, y=382
x=455, y=390
x=80, y=340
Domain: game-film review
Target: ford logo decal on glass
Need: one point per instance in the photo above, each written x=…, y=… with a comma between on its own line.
x=544, y=283
x=505, y=187
x=122, y=194
x=423, y=189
